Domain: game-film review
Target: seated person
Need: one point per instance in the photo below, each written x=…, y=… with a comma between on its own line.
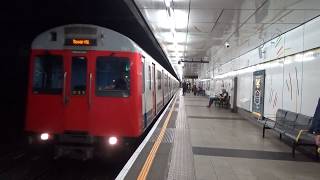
x=223, y=96
x=315, y=127
x=121, y=83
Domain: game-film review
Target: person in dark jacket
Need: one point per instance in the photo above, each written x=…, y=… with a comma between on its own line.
x=121, y=83
x=315, y=127
x=184, y=88
x=194, y=89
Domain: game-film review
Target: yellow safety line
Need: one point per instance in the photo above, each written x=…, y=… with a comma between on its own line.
x=147, y=164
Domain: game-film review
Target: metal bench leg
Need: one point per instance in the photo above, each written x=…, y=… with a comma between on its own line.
x=294, y=149
x=263, y=131
x=280, y=136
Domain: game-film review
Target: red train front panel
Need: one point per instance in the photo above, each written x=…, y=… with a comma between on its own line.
x=97, y=92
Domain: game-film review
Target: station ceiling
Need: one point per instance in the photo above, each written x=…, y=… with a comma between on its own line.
x=199, y=29
x=21, y=21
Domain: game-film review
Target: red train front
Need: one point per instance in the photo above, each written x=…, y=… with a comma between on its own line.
x=85, y=87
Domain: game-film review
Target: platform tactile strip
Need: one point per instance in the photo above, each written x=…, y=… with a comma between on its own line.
x=182, y=162
x=216, y=117
x=167, y=138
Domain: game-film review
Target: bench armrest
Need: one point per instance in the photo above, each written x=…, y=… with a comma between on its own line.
x=269, y=120
x=302, y=131
x=268, y=117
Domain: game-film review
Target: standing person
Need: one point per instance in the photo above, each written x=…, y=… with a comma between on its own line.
x=194, y=89
x=315, y=127
x=211, y=98
x=184, y=88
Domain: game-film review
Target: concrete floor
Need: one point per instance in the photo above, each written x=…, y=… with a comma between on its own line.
x=214, y=144
x=226, y=146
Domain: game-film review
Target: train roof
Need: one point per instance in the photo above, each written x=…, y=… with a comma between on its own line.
x=100, y=38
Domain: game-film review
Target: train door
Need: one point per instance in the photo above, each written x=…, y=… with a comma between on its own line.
x=45, y=98
x=154, y=100
x=144, y=102
x=78, y=80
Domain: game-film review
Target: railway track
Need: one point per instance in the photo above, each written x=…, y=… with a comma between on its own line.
x=31, y=164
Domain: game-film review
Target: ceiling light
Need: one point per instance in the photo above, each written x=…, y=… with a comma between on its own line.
x=167, y=2
x=227, y=44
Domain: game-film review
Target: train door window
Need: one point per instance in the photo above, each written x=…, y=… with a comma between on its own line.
x=48, y=74
x=78, y=76
x=162, y=77
x=113, y=76
x=149, y=76
x=165, y=81
x=159, y=79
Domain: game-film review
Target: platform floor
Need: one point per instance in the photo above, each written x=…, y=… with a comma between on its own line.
x=213, y=143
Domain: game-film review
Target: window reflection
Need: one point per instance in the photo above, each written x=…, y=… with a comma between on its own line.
x=78, y=76
x=112, y=76
x=48, y=75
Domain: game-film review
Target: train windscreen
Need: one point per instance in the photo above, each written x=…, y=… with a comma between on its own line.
x=48, y=74
x=113, y=76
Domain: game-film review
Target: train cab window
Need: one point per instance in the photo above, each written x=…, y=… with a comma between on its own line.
x=48, y=74
x=113, y=76
x=53, y=36
x=78, y=76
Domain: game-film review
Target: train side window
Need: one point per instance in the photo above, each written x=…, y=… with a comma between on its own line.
x=162, y=78
x=159, y=79
x=78, y=76
x=149, y=76
x=113, y=76
x=167, y=81
x=47, y=74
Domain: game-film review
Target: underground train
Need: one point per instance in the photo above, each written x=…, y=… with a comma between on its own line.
x=90, y=85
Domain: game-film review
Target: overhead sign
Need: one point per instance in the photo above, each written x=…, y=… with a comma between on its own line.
x=190, y=77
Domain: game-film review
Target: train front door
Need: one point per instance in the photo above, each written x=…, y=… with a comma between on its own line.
x=78, y=80
x=154, y=94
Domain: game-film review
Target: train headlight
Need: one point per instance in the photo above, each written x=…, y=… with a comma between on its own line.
x=113, y=140
x=44, y=136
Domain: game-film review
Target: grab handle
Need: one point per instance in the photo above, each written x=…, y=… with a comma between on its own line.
x=90, y=89
x=64, y=93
